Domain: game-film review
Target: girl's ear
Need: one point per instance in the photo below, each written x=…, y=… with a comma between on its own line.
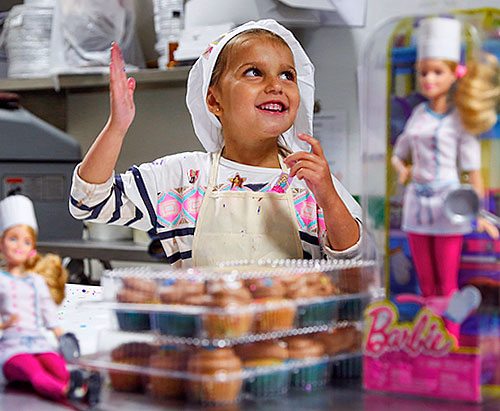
x=212, y=101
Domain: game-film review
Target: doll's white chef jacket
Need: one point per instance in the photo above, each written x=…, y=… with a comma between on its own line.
x=164, y=198
x=439, y=148
x=29, y=298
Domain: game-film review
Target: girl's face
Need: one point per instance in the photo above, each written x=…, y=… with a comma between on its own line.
x=16, y=245
x=435, y=78
x=257, y=96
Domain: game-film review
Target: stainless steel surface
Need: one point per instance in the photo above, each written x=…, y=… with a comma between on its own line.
x=345, y=396
x=99, y=250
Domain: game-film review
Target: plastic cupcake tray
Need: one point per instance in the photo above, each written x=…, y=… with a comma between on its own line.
x=136, y=362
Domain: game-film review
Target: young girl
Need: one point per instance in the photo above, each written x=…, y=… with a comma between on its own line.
x=253, y=194
x=438, y=145
x=27, y=309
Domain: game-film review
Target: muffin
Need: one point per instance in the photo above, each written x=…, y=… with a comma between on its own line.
x=274, y=311
x=313, y=286
x=259, y=356
x=131, y=354
x=179, y=324
x=205, y=366
x=233, y=298
x=345, y=339
x=136, y=291
x=309, y=377
x=167, y=359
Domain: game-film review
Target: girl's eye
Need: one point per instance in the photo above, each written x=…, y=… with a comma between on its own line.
x=252, y=72
x=439, y=72
x=288, y=75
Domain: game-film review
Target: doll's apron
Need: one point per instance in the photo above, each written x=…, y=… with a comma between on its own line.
x=236, y=225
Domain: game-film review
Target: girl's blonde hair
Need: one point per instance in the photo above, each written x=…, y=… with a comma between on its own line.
x=478, y=95
x=49, y=266
x=225, y=54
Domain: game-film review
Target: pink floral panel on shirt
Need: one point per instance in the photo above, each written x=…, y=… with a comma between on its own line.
x=180, y=206
x=309, y=216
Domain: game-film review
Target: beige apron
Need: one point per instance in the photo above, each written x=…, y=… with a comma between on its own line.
x=236, y=225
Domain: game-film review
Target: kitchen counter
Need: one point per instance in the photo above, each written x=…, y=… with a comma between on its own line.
x=347, y=395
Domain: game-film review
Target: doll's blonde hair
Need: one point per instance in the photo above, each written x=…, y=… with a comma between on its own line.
x=478, y=95
x=49, y=266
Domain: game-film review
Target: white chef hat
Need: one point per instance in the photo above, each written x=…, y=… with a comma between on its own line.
x=439, y=38
x=16, y=210
x=206, y=125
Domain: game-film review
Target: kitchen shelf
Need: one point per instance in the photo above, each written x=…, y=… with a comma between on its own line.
x=74, y=82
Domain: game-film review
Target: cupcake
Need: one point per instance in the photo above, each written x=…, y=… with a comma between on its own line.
x=233, y=298
x=172, y=360
x=339, y=340
x=309, y=377
x=136, y=291
x=134, y=354
x=275, y=312
x=206, y=368
x=258, y=357
x=175, y=292
x=310, y=286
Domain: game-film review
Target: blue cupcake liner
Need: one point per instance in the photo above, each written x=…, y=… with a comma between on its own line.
x=317, y=314
x=133, y=321
x=268, y=385
x=311, y=378
x=176, y=324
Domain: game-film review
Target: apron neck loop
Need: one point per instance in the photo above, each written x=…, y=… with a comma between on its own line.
x=216, y=161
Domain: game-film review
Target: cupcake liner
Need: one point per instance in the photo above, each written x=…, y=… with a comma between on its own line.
x=317, y=314
x=312, y=377
x=348, y=368
x=275, y=319
x=164, y=387
x=268, y=385
x=133, y=321
x=214, y=392
x=227, y=326
x=352, y=310
x=175, y=324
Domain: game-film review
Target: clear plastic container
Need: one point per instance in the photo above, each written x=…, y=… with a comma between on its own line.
x=240, y=302
x=149, y=363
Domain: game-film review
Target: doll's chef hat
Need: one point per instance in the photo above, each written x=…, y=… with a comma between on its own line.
x=206, y=125
x=16, y=210
x=439, y=38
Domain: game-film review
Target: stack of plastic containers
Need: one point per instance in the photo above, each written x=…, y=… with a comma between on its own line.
x=27, y=38
x=169, y=22
x=215, y=336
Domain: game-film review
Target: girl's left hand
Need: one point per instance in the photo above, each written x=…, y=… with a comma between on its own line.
x=484, y=225
x=313, y=168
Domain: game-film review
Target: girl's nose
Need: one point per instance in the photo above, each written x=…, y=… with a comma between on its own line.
x=274, y=86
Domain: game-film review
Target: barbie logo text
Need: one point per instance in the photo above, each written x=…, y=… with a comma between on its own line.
x=426, y=335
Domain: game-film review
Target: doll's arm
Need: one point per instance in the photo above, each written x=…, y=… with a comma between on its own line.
x=483, y=225
x=12, y=320
x=403, y=169
x=100, y=161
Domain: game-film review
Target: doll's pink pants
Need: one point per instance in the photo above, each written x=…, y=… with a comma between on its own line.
x=46, y=372
x=437, y=262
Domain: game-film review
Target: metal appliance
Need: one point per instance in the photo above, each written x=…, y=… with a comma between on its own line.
x=37, y=160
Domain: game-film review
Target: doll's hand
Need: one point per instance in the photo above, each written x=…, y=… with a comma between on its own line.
x=404, y=174
x=121, y=90
x=57, y=332
x=13, y=320
x=484, y=225
x=313, y=168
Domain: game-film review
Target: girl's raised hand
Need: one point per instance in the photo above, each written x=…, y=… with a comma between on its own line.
x=121, y=90
x=313, y=168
